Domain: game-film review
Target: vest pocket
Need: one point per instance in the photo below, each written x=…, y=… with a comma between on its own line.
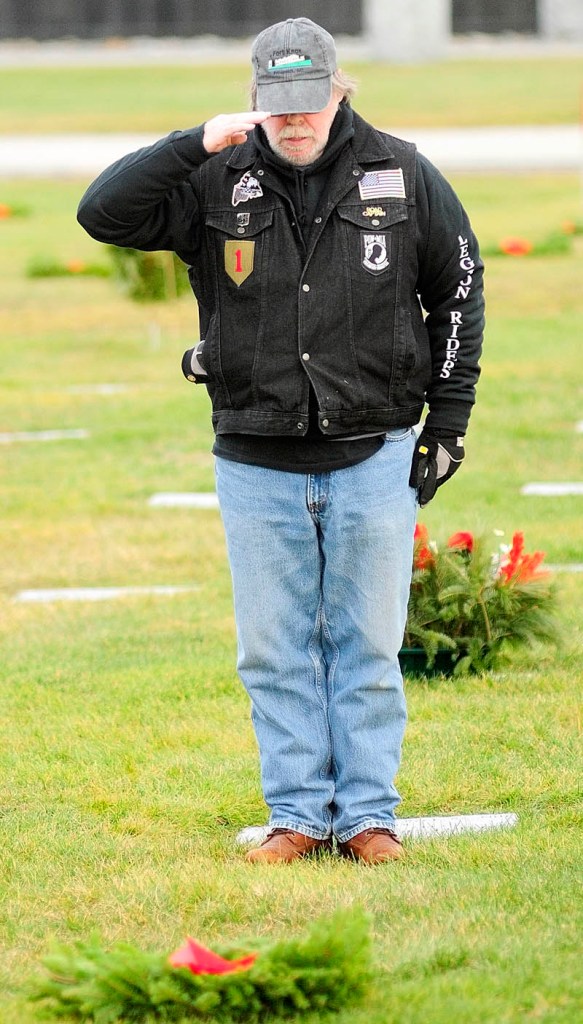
x=405, y=348
x=374, y=218
x=372, y=251
x=238, y=240
x=412, y=357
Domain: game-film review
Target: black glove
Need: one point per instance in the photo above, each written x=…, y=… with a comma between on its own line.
x=435, y=461
x=192, y=366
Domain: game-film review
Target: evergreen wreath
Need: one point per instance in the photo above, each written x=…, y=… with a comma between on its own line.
x=322, y=972
x=476, y=603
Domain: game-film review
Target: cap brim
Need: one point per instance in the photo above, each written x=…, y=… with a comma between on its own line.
x=307, y=96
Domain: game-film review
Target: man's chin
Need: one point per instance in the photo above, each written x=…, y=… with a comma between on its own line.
x=299, y=156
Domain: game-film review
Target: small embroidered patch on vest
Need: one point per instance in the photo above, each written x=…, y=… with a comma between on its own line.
x=375, y=257
x=239, y=257
x=247, y=188
x=387, y=184
x=373, y=211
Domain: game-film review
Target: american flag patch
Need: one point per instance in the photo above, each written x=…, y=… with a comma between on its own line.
x=382, y=185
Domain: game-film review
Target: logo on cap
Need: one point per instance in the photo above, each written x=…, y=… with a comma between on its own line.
x=287, y=61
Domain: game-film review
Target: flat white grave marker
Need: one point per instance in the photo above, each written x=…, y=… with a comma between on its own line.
x=566, y=567
x=184, y=499
x=96, y=389
x=548, y=490
x=44, y=435
x=95, y=593
x=412, y=828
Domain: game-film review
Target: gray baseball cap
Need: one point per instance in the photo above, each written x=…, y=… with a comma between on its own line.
x=293, y=62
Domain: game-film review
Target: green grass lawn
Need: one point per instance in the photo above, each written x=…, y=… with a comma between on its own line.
x=157, y=99
x=127, y=762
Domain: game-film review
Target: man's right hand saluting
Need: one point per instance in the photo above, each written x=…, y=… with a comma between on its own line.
x=230, y=129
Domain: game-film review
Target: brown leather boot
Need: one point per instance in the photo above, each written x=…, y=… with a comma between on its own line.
x=283, y=845
x=373, y=846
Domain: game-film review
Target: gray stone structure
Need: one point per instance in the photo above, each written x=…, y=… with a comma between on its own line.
x=561, y=19
x=405, y=31
x=402, y=31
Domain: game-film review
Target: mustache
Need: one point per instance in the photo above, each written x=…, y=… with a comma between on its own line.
x=295, y=132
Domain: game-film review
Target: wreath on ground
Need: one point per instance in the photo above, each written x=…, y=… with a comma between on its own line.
x=323, y=972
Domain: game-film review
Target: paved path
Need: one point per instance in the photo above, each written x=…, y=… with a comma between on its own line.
x=544, y=148
x=213, y=49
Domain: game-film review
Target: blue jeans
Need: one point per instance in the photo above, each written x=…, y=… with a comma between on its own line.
x=321, y=568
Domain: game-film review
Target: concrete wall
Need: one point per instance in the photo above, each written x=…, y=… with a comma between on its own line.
x=100, y=19
x=401, y=31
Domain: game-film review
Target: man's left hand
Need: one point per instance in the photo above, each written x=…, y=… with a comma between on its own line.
x=435, y=461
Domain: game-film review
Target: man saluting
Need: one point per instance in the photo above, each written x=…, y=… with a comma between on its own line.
x=339, y=288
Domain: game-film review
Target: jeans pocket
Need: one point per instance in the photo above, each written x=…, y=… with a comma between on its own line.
x=398, y=434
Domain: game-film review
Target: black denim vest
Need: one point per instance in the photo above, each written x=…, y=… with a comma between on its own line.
x=344, y=316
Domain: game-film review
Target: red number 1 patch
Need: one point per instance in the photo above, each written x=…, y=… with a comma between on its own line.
x=239, y=258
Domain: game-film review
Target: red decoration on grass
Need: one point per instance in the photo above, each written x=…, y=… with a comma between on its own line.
x=200, y=960
x=516, y=246
x=461, y=541
x=423, y=556
x=520, y=567
x=5, y=211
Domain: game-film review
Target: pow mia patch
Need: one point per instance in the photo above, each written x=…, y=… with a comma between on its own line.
x=247, y=188
x=239, y=259
x=374, y=249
